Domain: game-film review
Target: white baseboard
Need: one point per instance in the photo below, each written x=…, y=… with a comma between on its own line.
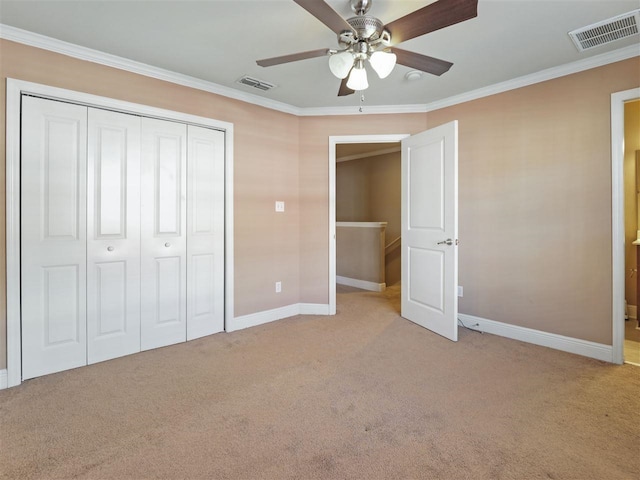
x=3, y=379
x=259, y=318
x=314, y=308
x=632, y=311
x=559, y=342
x=363, y=284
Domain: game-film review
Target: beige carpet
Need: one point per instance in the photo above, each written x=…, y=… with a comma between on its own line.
x=364, y=394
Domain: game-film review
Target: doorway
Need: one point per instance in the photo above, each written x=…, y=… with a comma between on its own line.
x=631, y=172
x=334, y=141
x=618, y=102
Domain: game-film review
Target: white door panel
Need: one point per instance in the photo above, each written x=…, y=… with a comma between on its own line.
x=53, y=229
x=113, y=235
x=430, y=229
x=163, y=233
x=205, y=232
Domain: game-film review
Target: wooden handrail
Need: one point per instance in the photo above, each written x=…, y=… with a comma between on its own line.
x=392, y=246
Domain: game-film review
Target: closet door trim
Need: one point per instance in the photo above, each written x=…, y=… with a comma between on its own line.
x=15, y=90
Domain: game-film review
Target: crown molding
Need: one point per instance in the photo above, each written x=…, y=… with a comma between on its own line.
x=538, y=77
x=58, y=46
x=95, y=56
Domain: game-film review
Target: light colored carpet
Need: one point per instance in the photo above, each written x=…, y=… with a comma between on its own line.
x=364, y=394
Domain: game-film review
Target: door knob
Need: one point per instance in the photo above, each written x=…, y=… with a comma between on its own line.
x=110, y=249
x=167, y=244
x=448, y=241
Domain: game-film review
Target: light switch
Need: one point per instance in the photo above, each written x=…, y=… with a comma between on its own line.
x=279, y=206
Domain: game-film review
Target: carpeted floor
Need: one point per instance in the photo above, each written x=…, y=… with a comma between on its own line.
x=364, y=394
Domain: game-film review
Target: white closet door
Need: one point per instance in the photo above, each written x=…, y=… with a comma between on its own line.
x=163, y=233
x=113, y=231
x=205, y=232
x=53, y=229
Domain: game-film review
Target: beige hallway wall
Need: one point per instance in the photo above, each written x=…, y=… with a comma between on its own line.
x=265, y=168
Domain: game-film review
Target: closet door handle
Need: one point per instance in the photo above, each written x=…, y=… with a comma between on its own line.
x=110, y=248
x=167, y=244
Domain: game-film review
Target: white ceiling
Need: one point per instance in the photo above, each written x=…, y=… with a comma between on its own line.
x=219, y=41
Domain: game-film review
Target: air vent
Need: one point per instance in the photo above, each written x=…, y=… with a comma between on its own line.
x=255, y=83
x=607, y=31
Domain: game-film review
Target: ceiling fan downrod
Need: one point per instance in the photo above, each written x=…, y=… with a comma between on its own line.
x=360, y=7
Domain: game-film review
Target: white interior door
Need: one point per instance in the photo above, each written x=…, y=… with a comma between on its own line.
x=53, y=229
x=113, y=235
x=163, y=233
x=430, y=229
x=205, y=232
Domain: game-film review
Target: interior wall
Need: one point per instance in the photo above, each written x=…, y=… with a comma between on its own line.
x=535, y=202
x=266, y=154
x=353, y=191
x=385, y=197
x=631, y=146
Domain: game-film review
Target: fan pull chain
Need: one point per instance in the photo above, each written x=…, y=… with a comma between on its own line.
x=361, y=102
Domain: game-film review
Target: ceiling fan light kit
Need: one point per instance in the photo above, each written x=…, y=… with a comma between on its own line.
x=365, y=38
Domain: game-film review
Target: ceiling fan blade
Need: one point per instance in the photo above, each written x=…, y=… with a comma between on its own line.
x=327, y=15
x=432, y=65
x=294, y=57
x=344, y=90
x=430, y=18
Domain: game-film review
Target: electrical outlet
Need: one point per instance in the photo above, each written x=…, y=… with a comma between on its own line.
x=460, y=292
x=279, y=206
x=278, y=287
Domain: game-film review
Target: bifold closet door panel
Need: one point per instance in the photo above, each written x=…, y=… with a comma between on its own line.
x=205, y=232
x=53, y=230
x=113, y=235
x=163, y=233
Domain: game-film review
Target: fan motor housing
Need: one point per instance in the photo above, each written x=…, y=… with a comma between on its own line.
x=366, y=27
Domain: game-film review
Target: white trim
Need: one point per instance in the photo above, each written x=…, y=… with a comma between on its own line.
x=618, y=100
x=363, y=284
x=83, y=53
x=361, y=224
x=40, y=41
x=598, y=351
x=374, y=153
x=538, y=77
x=314, y=308
x=267, y=316
x=3, y=379
x=334, y=140
x=15, y=88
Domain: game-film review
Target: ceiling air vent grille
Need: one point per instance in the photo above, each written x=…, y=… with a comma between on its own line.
x=255, y=83
x=607, y=31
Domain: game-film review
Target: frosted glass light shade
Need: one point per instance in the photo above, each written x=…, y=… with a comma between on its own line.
x=383, y=63
x=340, y=64
x=358, y=79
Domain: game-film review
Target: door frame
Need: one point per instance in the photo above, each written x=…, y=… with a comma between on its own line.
x=334, y=140
x=618, y=100
x=15, y=90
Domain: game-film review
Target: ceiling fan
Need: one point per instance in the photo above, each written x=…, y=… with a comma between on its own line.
x=365, y=38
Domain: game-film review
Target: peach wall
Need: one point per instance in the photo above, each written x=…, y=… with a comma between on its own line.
x=535, y=190
x=265, y=168
x=535, y=202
